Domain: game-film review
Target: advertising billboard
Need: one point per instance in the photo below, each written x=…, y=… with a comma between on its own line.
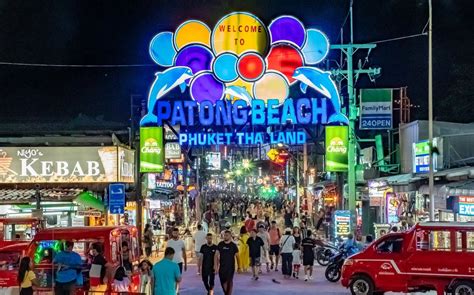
x=152, y=153
x=337, y=140
x=342, y=223
x=421, y=156
x=66, y=164
x=213, y=161
x=466, y=206
x=376, y=109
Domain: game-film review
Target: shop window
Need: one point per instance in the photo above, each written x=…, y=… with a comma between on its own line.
x=391, y=245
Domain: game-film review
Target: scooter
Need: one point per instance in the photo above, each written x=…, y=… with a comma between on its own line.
x=333, y=270
x=324, y=253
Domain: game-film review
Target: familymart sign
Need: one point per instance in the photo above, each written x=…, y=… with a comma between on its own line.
x=376, y=109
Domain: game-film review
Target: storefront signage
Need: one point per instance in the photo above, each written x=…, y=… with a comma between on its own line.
x=117, y=198
x=66, y=164
x=151, y=149
x=164, y=184
x=342, y=223
x=392, y=206
x=421, y=156
x=337, y=139
x=466, y=206
x=239, y=73
x=89, y=213
x=213, y=161
x=376, y=109
x=172, y=150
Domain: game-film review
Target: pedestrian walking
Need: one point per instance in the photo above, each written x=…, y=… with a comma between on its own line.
x=287, y=243
x=206, y=260
x=275, y=237
x=255, y=244
x=244, y=260
x=308, y=245
x=296, y=261
x=148, y=240
x=166, y=275
x=234, y=213
x=199, y=239
x=224, y=262
x=265, y=236
x=179, y=250
x=146, y=277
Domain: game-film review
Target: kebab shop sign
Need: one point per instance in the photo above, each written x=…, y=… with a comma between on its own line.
x=66, y=164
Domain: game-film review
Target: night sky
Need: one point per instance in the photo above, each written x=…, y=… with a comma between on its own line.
x=119, y=32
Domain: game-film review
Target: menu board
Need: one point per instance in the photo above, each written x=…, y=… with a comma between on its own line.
x=342, y=223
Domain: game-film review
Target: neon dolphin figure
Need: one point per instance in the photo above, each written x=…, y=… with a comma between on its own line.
x=165, y=82
x=321, y=82
x=240, y=92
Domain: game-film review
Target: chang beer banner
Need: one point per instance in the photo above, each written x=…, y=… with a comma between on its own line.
x=66, y=164
x=152, y=153
x=376, y=109
x=337, y=141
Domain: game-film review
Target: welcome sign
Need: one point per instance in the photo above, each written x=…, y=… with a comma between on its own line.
x=241, y=73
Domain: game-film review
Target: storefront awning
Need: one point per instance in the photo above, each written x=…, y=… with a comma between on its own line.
x=88, y=200
x=462, y=188
x=26, y=196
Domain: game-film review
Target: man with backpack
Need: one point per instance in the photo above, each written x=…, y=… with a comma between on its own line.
x=275, y=237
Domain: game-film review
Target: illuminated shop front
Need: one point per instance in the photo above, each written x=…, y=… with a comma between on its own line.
x=64, y=185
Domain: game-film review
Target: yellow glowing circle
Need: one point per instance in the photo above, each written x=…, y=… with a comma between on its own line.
x=271, y=86
x=191, y=32
x=239, y=32
x=241, y=83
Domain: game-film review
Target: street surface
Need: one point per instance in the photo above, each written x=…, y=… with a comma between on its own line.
x=243, y=284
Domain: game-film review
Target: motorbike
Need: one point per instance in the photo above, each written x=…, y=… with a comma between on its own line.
x=324, y=252
x=333, y=270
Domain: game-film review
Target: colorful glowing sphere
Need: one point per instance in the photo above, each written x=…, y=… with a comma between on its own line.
x=240, y=32
x=316, y=47
x=162, y=50
x=251, y=66
x=272, y=85
x=287, y=29
x=284, y=58
x=192, y=32
x=205, y=86
x=225, y=67
x=196, y=57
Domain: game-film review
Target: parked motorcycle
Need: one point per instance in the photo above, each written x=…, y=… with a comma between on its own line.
x=324, y=253
x=333, y=270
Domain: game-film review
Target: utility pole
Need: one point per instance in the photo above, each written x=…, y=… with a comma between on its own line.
x=430, y=110
x=349, y=50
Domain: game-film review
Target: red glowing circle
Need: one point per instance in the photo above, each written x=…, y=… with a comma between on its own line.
x=285, y=59
x=251, y=66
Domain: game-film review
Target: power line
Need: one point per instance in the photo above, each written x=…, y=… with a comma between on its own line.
x=21, y=64
x=399, y=38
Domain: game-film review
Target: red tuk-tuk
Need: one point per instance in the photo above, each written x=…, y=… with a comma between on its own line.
x=9, y=261
x=13, y=230
x=430, y=256
x=50, y=241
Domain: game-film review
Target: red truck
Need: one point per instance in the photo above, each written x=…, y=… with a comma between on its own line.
x=430, y=256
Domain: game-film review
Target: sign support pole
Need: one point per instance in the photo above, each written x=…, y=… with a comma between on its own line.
x=349, y=50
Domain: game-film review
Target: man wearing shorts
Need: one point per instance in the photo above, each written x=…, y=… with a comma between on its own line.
x=224, y=262
x=308, y=245
x=275, y=236
x=255, y=245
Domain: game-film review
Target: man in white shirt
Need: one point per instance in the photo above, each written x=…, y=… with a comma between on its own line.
x=287, y=243
x=179, y=250
x=199, y=239
x=265, y=236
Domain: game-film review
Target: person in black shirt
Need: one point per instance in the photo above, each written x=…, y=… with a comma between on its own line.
x=255, y=245
x=224, y=262
x=208, y=251
x=307, y=245
x=99, y=259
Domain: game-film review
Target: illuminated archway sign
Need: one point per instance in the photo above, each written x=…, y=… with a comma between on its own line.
x=241, y=73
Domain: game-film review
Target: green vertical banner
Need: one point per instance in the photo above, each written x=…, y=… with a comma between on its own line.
x=337, y=143
x=152, y=153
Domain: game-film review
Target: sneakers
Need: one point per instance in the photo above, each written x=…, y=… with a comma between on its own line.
x=294, y=274
x=310, y=278
x=305, y=278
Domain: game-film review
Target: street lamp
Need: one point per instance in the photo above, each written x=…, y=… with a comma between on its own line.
x=430, y=108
